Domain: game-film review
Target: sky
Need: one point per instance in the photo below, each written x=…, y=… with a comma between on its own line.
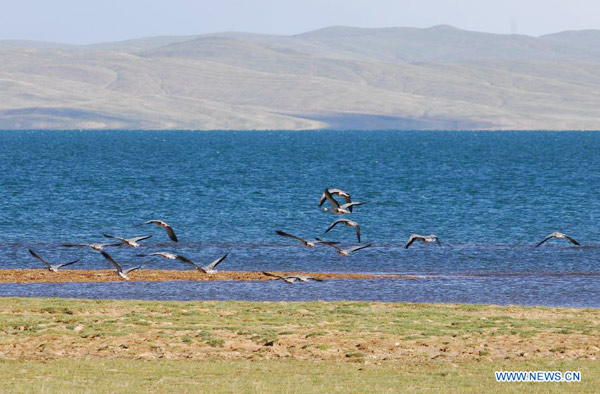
x=91, y=21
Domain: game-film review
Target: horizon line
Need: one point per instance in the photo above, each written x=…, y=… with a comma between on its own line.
x=437, y=26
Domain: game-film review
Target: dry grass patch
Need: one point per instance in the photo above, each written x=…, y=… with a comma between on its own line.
x=377, y=333
x=157, y=275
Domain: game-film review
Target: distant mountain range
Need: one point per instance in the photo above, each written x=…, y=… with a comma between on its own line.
x=337, y=77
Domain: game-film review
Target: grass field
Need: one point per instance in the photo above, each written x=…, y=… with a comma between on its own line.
x=58, y=345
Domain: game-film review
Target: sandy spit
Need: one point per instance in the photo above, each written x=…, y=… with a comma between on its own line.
x=45, y=276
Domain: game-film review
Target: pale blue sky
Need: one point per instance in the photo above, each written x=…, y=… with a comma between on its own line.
x=81, y=21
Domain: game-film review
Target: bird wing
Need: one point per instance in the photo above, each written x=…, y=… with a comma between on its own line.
x=171, y=233
x=128, y=270
x=341, y=193
x=272, y=275
x=437, y=240
x=39, y=258
x=326, y=242
x=74, y=245
x=411, y=239
x=332, y=200
x=107, y=245
x=284, y=234
x=69, y=263
x=187, y=261
x=572, y=240
x=161, y=254
x=305, y=278
x=322, y=200
x=351, y=204
x=358, y=248
x=545, y=239
x=347, y=198
x=332, y=225
x=331, y=244
x=137, y=239
x=358, y=232
x=216, y=262
x=114, y=237
x=113, y=262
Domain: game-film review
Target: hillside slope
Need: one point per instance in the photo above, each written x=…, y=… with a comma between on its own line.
x=337, y=77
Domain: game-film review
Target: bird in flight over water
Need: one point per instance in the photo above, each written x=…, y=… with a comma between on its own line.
x=119, y=270
x=557, y=235
x=336, y=192
x=308, y=244
x=291, y=279
x=336, y=207
x=207, y=269
x=346, y=252
x=51, y=268
x=164, y=225
x=97, y=246
x=422, y=238
x=347, y=222
x=133, y=242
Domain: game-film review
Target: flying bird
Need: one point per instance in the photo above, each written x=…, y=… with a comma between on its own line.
x=51, y=268
x=119, y=270
x=164, y=225
x=291, y=279
x=337, y=192
x=422, y=238
x=207, y=269
x=558, y=235
x=166, y=255
x=346, y=252
x=97, y=246
x=336, y=207
x=347, y=222
x=133, y=242
x=308, y=244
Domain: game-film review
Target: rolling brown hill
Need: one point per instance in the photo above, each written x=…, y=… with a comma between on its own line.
x=337, y=77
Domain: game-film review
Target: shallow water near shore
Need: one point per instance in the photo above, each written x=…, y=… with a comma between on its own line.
x=489, y=196
x=512, y=290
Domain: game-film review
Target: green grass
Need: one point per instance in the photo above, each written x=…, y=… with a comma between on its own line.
x=133, y=376
x=65, y=345
x=265, y=318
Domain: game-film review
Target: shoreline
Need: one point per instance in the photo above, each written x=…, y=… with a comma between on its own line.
x=157, y=275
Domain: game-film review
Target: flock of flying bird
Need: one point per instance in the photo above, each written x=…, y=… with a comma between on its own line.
x=134, y=243
x=327, y=196
x=347, y=208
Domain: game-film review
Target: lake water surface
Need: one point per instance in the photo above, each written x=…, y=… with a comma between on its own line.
x=489, y=196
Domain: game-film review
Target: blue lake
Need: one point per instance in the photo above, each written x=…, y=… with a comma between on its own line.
x=489, y=196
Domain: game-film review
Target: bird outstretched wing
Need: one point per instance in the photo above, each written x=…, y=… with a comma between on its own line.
x=69, y=263
x=573, y=241
x=216, y=262
x=112, y=261
x=47, y=264
x=171, y=233
x=544, y=240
